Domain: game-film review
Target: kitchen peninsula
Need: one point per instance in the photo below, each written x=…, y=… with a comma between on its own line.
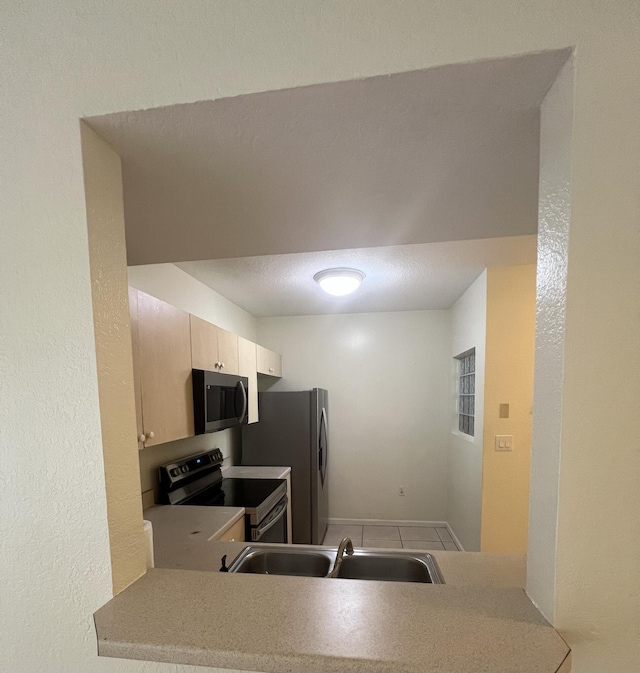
x=480, y=620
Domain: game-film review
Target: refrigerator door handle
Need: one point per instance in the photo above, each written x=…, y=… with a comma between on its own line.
x=324, y=447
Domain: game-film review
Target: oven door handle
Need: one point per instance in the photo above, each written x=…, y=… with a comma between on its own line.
x=281, y=508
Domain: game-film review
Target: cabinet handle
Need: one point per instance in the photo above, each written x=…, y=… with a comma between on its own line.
x=222, y=365
x=141, y=438
x=270, y=369
x=150, y=435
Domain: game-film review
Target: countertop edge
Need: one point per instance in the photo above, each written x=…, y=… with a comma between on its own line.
x=240, y=661
x=236, y=517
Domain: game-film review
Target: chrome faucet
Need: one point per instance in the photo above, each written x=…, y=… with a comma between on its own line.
x=345, y=546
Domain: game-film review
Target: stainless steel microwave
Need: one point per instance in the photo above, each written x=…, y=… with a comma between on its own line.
x=219, y=400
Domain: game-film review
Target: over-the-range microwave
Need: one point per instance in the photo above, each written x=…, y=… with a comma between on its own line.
x=219, y=400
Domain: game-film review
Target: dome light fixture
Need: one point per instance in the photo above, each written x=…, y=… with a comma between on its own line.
x=339, y=282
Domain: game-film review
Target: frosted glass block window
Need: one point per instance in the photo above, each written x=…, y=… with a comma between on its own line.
x=467, y=391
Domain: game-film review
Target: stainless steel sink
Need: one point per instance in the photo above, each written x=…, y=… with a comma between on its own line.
x=283, y=561
x=390, y=566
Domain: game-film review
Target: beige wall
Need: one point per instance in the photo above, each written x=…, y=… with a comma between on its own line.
x=468, y=330
x=386, y=374
x=105, y=225
x=72, y=59
x=510, y=337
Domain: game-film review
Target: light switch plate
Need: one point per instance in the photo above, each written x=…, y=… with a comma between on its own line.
x=504, y=442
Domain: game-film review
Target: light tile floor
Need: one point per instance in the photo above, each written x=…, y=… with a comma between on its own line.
x=392, y=537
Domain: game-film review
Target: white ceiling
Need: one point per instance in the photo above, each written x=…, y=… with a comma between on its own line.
x=445, y=154
x=398, y=278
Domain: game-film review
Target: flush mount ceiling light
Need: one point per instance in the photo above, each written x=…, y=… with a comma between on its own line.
x=339, y=282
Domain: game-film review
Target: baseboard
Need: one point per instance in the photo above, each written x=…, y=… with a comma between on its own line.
x=397, y=522
x=387, y=522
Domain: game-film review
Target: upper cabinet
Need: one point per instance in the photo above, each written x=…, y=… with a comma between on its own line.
x=135, y=351
x=161, y=336
x=167, y=343
x=248, y=367
x=212, y=348
x=269, y=363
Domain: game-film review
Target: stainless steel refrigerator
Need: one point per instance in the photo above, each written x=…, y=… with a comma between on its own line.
x=294, y=430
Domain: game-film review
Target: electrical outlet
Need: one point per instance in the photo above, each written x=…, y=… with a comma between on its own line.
x=400, y=490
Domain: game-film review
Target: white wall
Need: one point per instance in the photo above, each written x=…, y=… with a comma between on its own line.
x=385, y=373
x=468, y=330
x=553, y=245
x=77, y=58
x=178, y=288
x=171, y=284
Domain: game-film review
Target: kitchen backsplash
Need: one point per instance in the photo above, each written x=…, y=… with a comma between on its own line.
x=151, y=458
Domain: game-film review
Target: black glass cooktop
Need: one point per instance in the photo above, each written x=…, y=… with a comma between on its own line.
x=247, y=493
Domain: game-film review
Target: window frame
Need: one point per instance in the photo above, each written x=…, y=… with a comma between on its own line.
x=465, y=392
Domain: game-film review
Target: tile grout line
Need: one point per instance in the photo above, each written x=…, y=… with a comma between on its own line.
x=404, y=544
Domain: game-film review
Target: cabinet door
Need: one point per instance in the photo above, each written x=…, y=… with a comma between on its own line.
x=164, y=339
x=248, y=367
x=227, y=352
x=234, y=533
x=269, y=363
x=204, y=344
x=135, y=353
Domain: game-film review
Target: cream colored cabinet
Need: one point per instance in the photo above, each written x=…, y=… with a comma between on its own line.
x=269, y=363
x=135, y=349
x=212, y=348
x=161, y=341
x=235, y=532
x=247, y=358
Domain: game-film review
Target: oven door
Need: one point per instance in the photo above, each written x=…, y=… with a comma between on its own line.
x=273, y=528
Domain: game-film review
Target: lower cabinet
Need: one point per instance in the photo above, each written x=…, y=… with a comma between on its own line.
x=235, y=532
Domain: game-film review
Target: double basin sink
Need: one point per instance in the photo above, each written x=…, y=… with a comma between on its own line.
x=390, y=566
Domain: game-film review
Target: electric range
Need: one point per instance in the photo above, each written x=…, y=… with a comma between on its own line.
x=197, y=480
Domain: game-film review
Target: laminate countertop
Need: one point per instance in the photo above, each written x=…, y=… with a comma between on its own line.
x=182, y=534
x=480, y=620
x=255, y=472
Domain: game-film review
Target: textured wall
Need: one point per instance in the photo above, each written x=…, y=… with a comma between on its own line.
x=511, y=316
x=553, y=246
x=107, y=254
x=387, y=375
x=468, y=328
x=65, y=60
